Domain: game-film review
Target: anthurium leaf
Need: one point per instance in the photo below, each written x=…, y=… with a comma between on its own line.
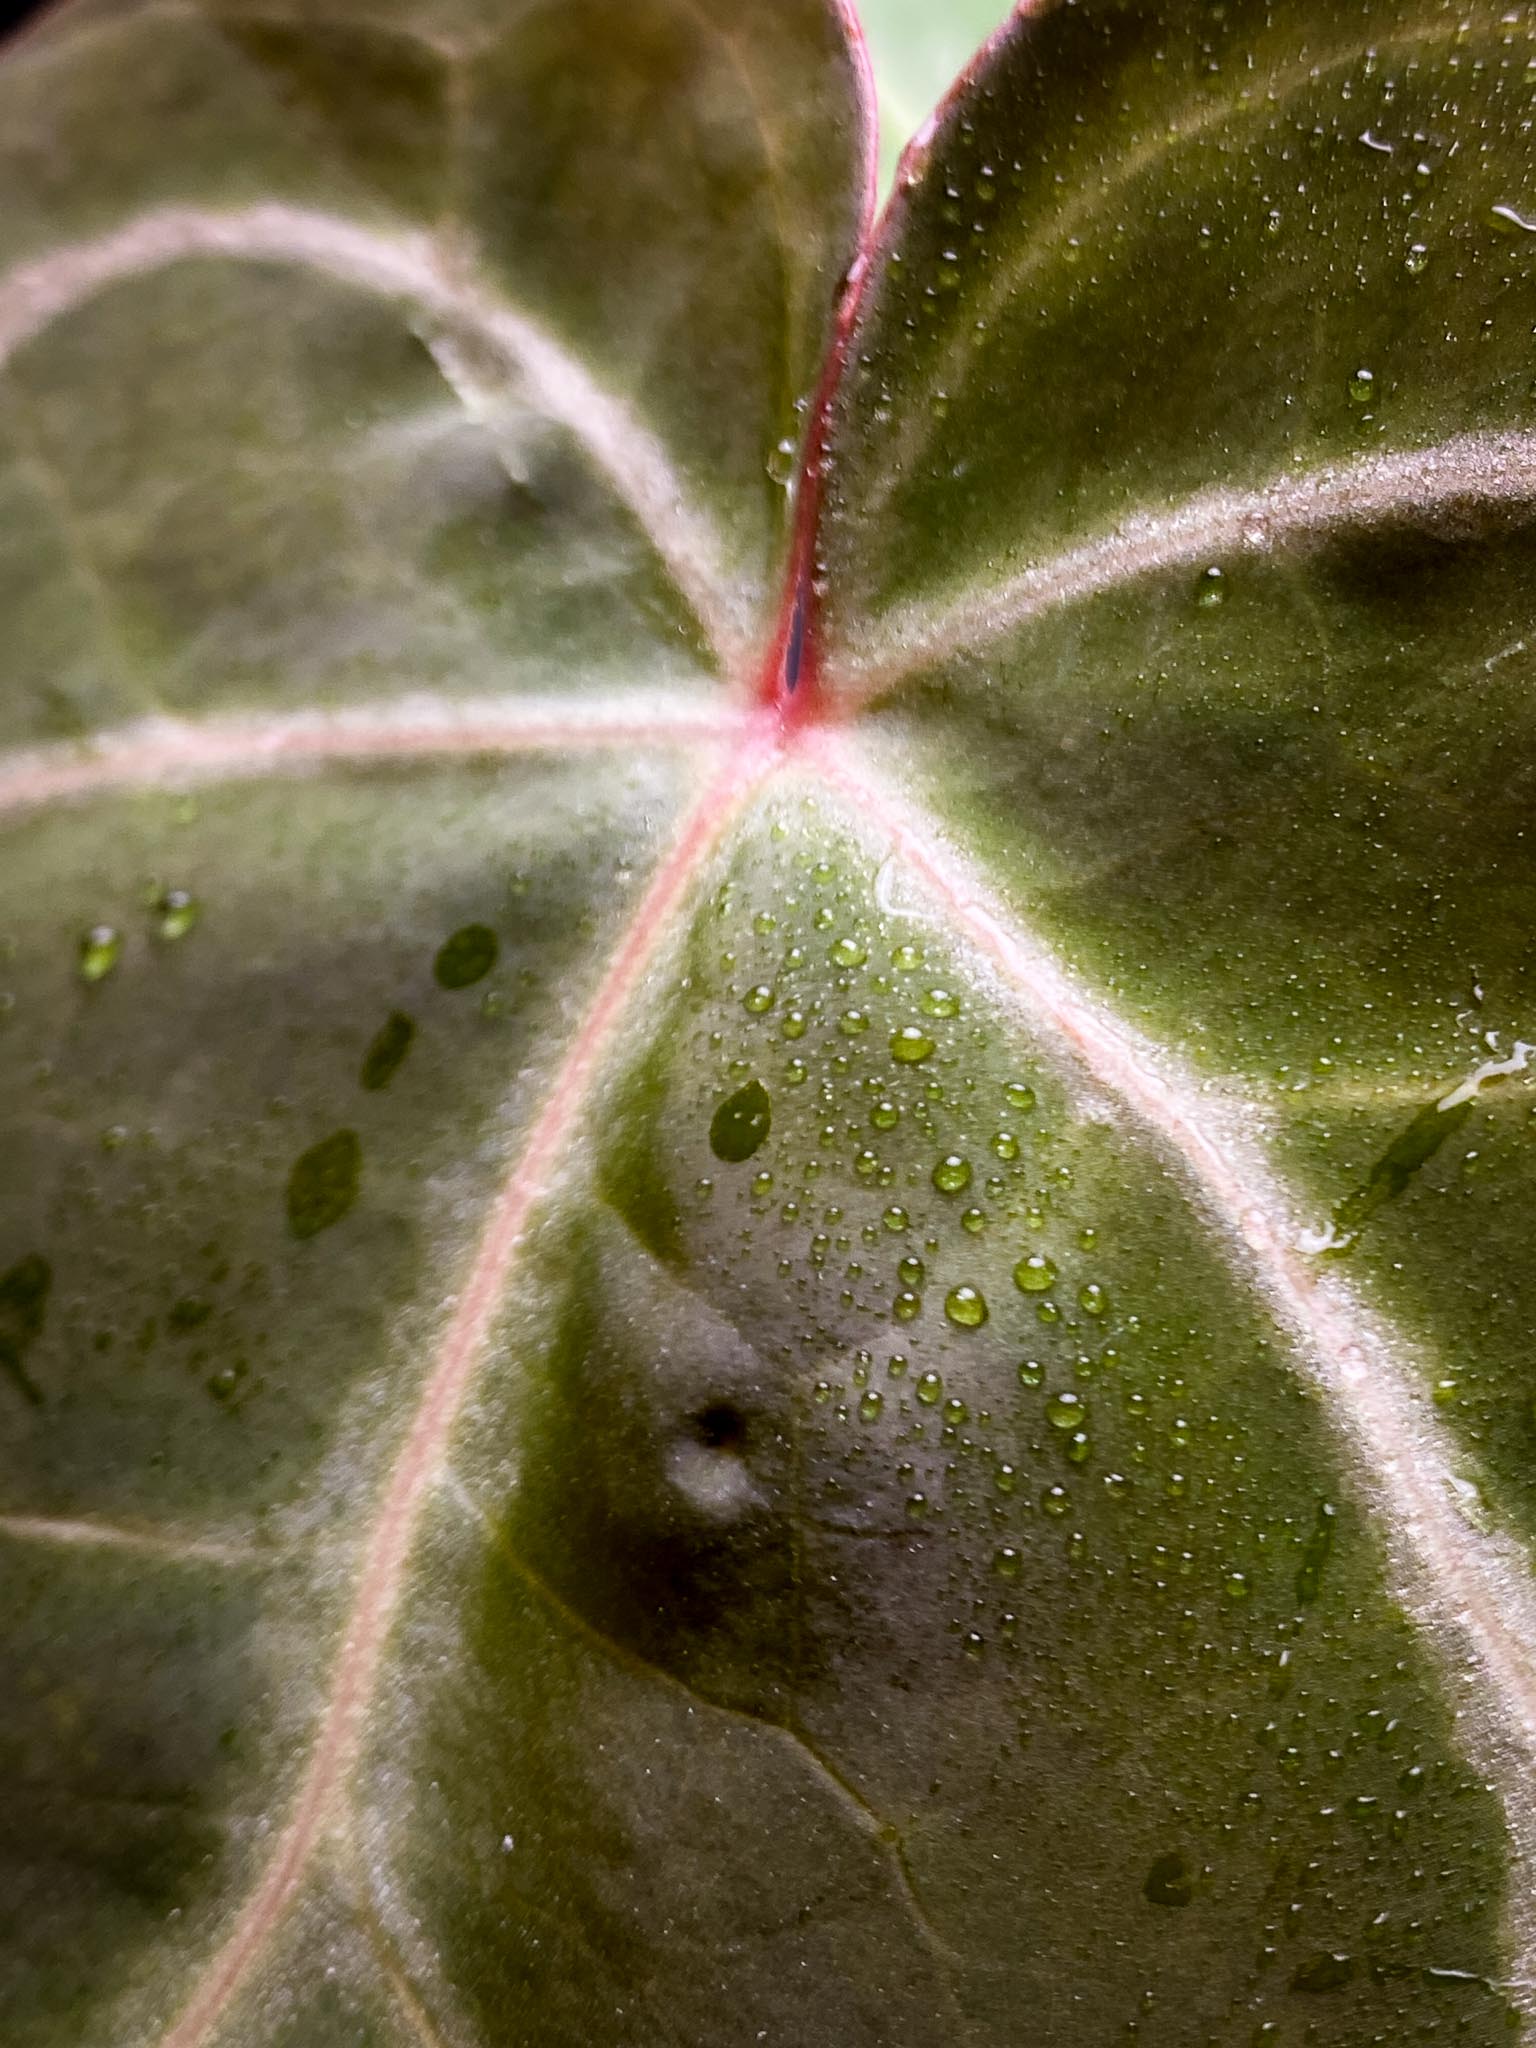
x=762, y=1274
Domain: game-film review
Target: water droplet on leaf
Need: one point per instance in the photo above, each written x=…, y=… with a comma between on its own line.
x=1065, y=1411
x=1033, y=1275
x=100, y=949
x=175, y=913
x=1168, y=1882
x=323, y=1183
x=383, y=1058
x=741, y=1123
x=965, y=1306
x=911, y=1044
x=466, y=956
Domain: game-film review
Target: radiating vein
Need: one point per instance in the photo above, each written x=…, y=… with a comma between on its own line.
x=371, y=1912
x=413, y=268
x=469, y=1325
x=881, y=1833
x=407, y=1999
x=169, y=753
x=161, y=1545
x=1476, y=471
x=1471, y=1589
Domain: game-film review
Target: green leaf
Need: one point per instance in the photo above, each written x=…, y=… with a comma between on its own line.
x=764, y=1255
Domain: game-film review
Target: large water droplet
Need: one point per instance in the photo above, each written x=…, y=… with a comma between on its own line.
x=1168, y=1882
x=324, y=1183
x=911, y=1044
x=1035, y=1274
x=390, y=1045
x=966, y=1306
x=100, y=949
x=952, y=1174
x=781, y=464
x=466, y=956
x=741, y=1123
x=175, y=913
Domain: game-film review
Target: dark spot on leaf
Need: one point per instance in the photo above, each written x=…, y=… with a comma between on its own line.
x=1408, y=1154
x=24, y=1292
x=323, y=1184
x=740, y=1125
x=383, y=1058
x=1309, y=1573
x=188, y=1314
x=468, y=956
x=721, y=1426
x=1168, y=1882
x=1323, y=1973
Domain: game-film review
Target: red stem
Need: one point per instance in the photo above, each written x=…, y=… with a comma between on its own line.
x=791, y=679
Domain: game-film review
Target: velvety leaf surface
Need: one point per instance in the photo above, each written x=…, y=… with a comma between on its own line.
x=451, y=390
x=764, y=1254
x=1056, y=1633
x=1304, y=632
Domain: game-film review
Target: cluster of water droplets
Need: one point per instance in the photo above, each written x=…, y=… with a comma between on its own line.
x=1015, y=1366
